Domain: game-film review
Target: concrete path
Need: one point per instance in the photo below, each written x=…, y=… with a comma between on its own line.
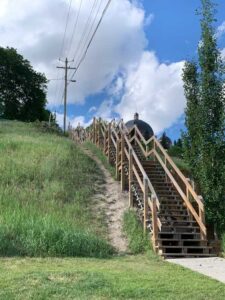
x=213, y=267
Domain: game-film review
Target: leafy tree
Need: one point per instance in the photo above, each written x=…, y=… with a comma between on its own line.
x=22, y=90
x=205, y=119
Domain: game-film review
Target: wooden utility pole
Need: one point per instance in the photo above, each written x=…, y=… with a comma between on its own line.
x=66, y=68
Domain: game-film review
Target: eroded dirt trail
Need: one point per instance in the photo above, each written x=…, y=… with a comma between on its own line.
x=113, y=203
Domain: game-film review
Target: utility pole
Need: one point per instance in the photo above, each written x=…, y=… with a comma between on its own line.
x=66, y=68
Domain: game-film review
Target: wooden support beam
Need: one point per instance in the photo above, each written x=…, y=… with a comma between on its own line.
x=131, y=199
x=109, y=141
x=122, y=163
x=145, y=194
x=154, y=221
x=117, y=159
x=94, y=130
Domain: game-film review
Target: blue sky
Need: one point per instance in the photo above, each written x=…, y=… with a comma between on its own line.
x=134, y=63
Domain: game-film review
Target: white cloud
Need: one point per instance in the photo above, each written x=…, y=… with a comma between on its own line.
x=220, y=30
x=223, y=54
x=73, y=121
x=155, y=91
x=36, y=29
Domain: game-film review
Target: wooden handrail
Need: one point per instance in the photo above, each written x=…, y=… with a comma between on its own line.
x=167, y=158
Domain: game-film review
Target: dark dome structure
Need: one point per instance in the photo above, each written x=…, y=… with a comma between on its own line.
x=144, y=127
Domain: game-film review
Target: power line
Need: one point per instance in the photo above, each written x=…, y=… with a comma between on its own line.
x=85, y=30
x=92, y=37
x=91, y=28
x=64, y=35
x=57, y=89
x=75, y=27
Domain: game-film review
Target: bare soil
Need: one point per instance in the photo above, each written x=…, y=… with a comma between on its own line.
x=111, y=202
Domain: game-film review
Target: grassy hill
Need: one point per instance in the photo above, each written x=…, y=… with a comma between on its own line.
x=45, y=196
x=46, y=219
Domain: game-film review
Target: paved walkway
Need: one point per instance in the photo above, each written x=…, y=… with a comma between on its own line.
x=213, y=267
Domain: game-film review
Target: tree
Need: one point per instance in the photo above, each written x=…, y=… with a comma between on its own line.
x=165, y=141
x=22, y=90
x=205, y=119
x=192, y=116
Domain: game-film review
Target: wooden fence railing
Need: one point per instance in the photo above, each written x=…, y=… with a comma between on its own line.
x=116, y=141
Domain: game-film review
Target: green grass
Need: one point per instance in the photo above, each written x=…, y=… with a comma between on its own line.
x=95, y=150
x=133, y=229
x=129, y=277
x=45, y=196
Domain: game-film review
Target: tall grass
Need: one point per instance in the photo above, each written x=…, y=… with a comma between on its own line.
x=138, y=242
x=94, y=149
x=46, y=184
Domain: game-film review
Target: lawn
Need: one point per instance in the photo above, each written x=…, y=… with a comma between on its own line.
x=129, y=277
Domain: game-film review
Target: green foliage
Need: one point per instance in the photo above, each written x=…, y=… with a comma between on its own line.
x=45, y=196
x=177, y=149
x=49, y=127
x=205, y=119
x=26, y=101
x=223, y=244
x=138, y=241
x=94, y=149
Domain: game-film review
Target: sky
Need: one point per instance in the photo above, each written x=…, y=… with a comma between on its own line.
x=134, y=63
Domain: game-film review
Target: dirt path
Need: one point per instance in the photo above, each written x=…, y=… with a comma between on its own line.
x=213, y=267
x=113, y=203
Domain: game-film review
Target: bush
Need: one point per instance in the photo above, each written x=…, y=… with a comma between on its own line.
x=132, y=227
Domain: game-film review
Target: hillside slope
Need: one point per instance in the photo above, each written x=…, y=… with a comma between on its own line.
x=46, y=185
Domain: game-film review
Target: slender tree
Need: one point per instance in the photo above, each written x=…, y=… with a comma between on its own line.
x=205, y=115
x=193, y=112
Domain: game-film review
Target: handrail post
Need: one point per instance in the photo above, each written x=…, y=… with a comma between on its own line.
x=201, y=216
x=99, y=131
x=145, y=203
x=117, y=158
x=122, y=163
x=131, y=200
x=154, y=222
x=104, y=147
x=109, y=141
x=94, y=127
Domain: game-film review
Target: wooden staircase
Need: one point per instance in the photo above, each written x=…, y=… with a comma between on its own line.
x=180, y=233
x=166, y=202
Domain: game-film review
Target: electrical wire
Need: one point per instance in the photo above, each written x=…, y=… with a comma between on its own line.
x=85, y=30
x=91, y=29
x=58, y=87
x=64, y=35
x=75, y=27
x=91, y=39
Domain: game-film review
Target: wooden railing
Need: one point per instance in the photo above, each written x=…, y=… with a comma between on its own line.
x=116, y=138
